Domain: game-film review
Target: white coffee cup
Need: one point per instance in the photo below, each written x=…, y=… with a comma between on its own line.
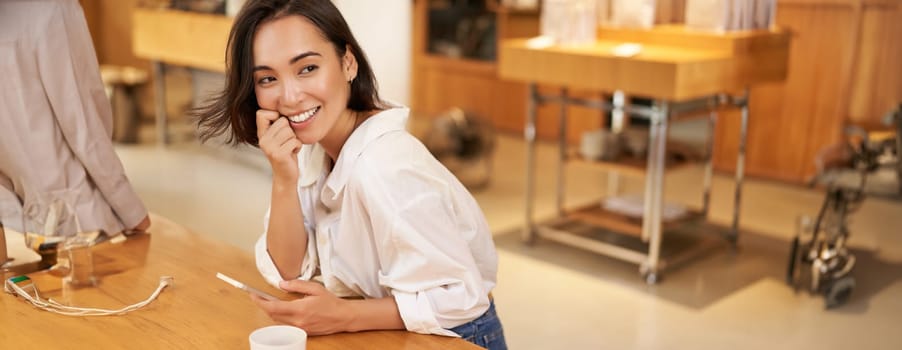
x=278, y=338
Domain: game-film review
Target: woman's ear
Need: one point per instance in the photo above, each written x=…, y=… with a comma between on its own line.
x=349, y=64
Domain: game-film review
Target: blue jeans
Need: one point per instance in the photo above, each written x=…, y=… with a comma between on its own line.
x=484, y=331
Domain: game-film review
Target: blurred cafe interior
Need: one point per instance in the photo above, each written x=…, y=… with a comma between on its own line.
x=655, y=174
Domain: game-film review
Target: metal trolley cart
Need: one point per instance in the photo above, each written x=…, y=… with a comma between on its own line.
x=697, y=76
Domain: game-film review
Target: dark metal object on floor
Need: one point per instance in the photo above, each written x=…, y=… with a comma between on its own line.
x=818, y=255
x=895, y=118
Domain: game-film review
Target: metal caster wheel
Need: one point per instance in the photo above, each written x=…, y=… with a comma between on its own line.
x=839, y=292
x=529, y=236
x=651, y=278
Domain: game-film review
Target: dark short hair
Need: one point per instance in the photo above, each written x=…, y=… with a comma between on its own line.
x=233, y=110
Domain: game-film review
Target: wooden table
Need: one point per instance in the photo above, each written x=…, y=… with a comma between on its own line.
x=683, y=71
x=171, y=37
x=675, y=64
x=197, y=312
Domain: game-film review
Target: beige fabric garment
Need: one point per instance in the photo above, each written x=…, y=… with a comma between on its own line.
x=55, y=120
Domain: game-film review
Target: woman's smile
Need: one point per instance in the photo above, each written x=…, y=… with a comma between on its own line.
x=301, y=120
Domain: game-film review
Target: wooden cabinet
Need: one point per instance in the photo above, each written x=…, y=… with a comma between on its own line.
x=441, y=82
x=845, y=66
x=876, y=83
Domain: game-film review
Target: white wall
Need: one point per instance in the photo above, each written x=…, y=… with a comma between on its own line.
x=383, y=29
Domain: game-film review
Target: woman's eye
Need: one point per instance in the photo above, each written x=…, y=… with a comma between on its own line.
x=265, y=80
x=308, y=69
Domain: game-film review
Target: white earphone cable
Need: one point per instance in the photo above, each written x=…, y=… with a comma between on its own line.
x=55, y=307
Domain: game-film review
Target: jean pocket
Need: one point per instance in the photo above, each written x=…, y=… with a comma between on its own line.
x=466, y=332
x=494, y=340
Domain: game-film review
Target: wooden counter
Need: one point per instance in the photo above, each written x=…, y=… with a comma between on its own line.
x=181, y=38
x=197, y=312
x=675, y=63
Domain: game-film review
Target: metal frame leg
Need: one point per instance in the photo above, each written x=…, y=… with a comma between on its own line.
x=740, y=167
x=655, y=190
x=709, y=163
x=562, y=152
x=653, y=137
x=159, y=80
x=618, y=101
x=618, y=113
x=529, y=133
x=649, y=180
x=613, y=183
x=134, y=119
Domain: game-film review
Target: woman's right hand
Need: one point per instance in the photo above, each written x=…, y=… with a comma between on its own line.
x=280, y=145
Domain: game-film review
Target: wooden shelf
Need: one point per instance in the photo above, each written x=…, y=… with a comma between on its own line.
x=626, y=164
x=596, y=215
x=464, y=65
x=517, y=12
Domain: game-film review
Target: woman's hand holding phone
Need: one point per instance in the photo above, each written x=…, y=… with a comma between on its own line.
x=280, y=145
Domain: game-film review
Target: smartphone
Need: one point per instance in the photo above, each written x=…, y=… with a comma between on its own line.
x=245, y=287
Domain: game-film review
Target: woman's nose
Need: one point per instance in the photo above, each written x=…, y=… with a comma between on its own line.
x=292, y=91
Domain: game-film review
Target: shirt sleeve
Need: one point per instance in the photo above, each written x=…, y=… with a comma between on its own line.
x=70, y=77
x=268, y=268
x=425, y=259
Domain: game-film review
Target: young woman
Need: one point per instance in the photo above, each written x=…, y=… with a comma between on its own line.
x=357, y=202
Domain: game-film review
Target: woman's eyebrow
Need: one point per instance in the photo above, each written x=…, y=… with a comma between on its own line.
x=303, y=56
x=292, y=61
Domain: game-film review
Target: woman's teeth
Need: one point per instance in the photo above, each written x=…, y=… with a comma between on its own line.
x=300, y=118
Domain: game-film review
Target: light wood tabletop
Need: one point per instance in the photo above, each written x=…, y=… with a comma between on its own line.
x=198, y=311
x=674, y=63
x=181, y=38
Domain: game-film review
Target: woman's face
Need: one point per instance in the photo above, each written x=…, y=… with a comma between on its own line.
x=298, y=74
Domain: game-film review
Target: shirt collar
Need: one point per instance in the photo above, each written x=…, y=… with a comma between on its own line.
x=384, y=122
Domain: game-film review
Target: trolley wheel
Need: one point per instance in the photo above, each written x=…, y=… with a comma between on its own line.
x=651, y=278
x=838, y=292
x=528, y=236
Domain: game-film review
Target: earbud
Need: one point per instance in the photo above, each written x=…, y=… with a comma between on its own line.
x=166, y=280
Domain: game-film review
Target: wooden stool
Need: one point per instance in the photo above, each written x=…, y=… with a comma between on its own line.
x=121, y=84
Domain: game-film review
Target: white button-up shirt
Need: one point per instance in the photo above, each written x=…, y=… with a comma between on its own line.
x=56, y=122
x=390, y=220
